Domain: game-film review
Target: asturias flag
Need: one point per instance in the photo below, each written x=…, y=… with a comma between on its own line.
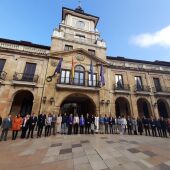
x=72, y=69
x=102, y=79
x=58, y=68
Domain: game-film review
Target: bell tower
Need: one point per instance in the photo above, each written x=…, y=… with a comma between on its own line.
x=78, y=30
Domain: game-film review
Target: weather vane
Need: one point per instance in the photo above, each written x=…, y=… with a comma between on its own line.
x=80, y=3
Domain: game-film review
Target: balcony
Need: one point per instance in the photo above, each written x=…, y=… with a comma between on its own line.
x=121, y=88
x=2, y=75
x=25, y=79
x=77, y=84
x=165, y=91
x=144, y=90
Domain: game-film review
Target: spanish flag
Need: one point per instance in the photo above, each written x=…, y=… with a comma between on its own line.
x=72, y=69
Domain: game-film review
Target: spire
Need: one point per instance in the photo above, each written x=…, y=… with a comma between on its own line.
x=79, y=8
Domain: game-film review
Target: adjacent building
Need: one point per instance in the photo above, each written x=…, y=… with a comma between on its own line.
x=130, y=87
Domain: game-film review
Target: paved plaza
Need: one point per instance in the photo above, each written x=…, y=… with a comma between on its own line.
x=86, y=152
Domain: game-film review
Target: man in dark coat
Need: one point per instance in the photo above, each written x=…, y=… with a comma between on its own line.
x=40, y=124
x=145, y=122
x=158, y=127
x=6, y=125
x=87, y=124
x=140, y=126
x=129, y=125
x=163, y=127
x=153, y=127
x=25, y=126
x=31, y=125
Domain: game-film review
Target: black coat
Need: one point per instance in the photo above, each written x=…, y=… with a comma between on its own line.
x=41, y=120
x=163, y=124
x=32, y=121
x=87, y=121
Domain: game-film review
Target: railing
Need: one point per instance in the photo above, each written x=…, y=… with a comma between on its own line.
x=142, y=88
x=3, y=75
x=80, y=39
x=122, y=87
x=78, y=82
x=25, y=77
x=161, y=89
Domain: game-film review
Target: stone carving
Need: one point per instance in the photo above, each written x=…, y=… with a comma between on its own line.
x=80, y=57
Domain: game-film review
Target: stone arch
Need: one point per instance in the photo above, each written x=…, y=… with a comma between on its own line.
x=163, y=108
x=122, y=107
x=144, y=108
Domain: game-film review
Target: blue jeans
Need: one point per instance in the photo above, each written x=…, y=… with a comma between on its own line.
x=63, y=128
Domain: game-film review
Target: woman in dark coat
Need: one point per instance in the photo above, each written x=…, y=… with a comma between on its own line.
x=140, y=125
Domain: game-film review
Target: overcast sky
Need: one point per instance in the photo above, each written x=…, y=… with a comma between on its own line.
x=137, y=29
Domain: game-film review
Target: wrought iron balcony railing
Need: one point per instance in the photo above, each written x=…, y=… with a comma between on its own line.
x=125, y=87
x=25, y=77
x=162, y=89
x=142, y=88
x=3, y=75
x=78, y=82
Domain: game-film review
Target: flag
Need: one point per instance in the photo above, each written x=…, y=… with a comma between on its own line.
x=58, y=68
x=102, y=79
x=72, y=69
x=91, y=71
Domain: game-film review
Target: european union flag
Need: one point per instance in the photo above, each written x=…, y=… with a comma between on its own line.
x=58, y=68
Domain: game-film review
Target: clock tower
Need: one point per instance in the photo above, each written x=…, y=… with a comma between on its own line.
x=78, y=30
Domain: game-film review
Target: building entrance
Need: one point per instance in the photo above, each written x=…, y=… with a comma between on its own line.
x=78, y=104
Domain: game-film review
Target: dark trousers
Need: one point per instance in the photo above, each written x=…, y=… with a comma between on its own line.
x=111, y=129
x=47, y=130
x=39, y=132
x=53, y=128
x=154, y=131
x=14, y=134
x=147, y=131
x=69, y=129
x=81, y=129
x=76, y=128
x=4, y=134
x=164, y=133
x=87, y=129
x=106, y=128
x=24, y=131
x=159, y=131
x=129, y=130
x=30, y=130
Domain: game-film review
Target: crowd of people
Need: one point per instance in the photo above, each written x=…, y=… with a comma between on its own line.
x=51, y=124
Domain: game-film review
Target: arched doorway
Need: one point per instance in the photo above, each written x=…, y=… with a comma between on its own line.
x=144, y=108
x=22, y=103
x=78, y=103
x=163, y=108
x=122, y=107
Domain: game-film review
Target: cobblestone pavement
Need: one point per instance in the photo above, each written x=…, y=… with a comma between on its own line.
x=86, y=152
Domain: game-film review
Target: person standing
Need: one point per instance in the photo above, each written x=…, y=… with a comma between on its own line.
x=40, y=124
x=82, y=123
x=87, y=124
x=119, y=121
x=158, y=127
x=134, y=125
x=145, y=122
x=16, y=126
x=129, y=125
x=6, y=125
x=168, y=124
x=96, y=123
x=153, y=127
x=92, y=122
x=76, y=124
x=25, y=126
x=123, y=124
x=0, y=121
x=31, y=125
x=64, y=124
x=59, y=120
x=70, y=124
x=140, y=125
x=53, y=123
x=163, y=127
x=111, y=124
x=101, y=124
x=48, y=121
x=106, y=124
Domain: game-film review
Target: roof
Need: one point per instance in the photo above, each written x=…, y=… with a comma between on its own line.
x=156, y=62
x=25, y=43
x=79, y=12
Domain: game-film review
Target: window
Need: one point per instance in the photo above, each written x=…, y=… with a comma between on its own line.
x=68, y=48
x=157, y=84
x=2, y=63
x=92, y=52
x=119, y=81
x=29, y=72
x=138, y=81
x=65, y=77
x=94, y=81
x=80, y=37
x=79, y=76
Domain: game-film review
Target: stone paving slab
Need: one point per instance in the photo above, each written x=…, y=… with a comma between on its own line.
x=86, y=152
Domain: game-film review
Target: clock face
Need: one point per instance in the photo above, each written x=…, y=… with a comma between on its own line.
x=80, y=24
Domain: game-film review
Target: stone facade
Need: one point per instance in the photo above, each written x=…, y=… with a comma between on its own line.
x=132, y=87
